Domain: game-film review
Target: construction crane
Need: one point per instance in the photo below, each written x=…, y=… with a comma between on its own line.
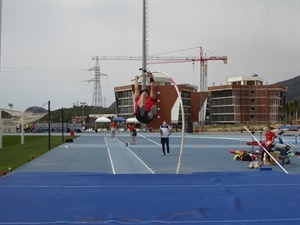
x=176, y=59
x=202, y=58
x=203, y=80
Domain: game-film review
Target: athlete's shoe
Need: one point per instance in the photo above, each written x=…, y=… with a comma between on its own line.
x=152, y=112
x=142, y=111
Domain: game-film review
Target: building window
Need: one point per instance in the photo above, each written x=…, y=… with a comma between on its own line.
x=186, y=101
x=124, y=94
x=226, y=109
x=185, y=94
x=219, y=94
x=123, y=110
x=187, y=110
x=126, y=101
x=223, y=101
x=223, y=118
x=186, y=118
x=228, y=101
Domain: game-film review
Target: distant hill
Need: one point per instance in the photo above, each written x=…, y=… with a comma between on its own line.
x=112, y=106
x=293, y=86
x=36, y=109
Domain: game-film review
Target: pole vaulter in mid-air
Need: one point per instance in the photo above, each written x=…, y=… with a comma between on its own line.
x=145, y=109
x=148, y=116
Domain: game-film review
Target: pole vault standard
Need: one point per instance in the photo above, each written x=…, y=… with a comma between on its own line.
x=264, y=149
x=182, y=118
x=279, y=136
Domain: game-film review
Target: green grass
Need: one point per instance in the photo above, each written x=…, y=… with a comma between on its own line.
x=14, y=154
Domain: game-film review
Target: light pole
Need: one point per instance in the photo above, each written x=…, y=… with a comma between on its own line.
x=10, y=105
x=83, y=104
x=1, y=138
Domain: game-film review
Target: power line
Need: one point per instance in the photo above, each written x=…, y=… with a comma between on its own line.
x=27, y=80
x=29, y=72
x=27, y=68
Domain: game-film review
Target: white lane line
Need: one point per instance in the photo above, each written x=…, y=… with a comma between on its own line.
x=138, y=158
x=141, y=161
x=150, y=140
x=110, y=159
x=111, y=162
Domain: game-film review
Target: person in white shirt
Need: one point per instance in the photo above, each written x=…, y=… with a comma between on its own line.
x=165, y=131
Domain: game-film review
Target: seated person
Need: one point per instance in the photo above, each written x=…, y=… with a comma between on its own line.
x=269, y=143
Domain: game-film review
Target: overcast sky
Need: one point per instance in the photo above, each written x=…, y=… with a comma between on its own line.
x=48, y=45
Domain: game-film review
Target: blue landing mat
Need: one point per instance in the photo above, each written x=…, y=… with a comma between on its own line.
x=262, y=197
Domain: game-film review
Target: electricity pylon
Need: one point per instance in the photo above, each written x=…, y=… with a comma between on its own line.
x=97, y=94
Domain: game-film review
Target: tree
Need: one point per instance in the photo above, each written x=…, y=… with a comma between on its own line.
x=291, y=110
x=69, y=113
x=294, y=106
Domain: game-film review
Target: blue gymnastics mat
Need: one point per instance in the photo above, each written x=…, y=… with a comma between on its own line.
x=259, y=197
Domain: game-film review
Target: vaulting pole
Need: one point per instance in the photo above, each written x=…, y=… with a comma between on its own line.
x=182, y=119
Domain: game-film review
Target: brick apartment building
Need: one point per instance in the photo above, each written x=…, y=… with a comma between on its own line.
x=167, y=102
x=245, y=100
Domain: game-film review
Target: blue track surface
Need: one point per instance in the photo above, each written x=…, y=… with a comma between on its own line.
x=98, y=181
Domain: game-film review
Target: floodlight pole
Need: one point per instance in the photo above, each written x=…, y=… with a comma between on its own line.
x=0, y=127
x=0, y=76
x=49, y=126
x=144, y=53
x=62, y=125
x=144, y=50
x=22, y=128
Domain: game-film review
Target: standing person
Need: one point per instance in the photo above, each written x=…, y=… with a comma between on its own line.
x=133, y=134
x=33, y=128
x=145, y=108
x=269, y=143
x=17, y=128
x=113, y=128
x=165, y=131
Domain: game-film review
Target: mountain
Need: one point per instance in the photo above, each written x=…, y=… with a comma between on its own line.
x=36, y=109
x=112, y=106
x=293, y=86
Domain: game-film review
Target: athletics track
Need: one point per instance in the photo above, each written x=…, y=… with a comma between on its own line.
x=95, y=180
